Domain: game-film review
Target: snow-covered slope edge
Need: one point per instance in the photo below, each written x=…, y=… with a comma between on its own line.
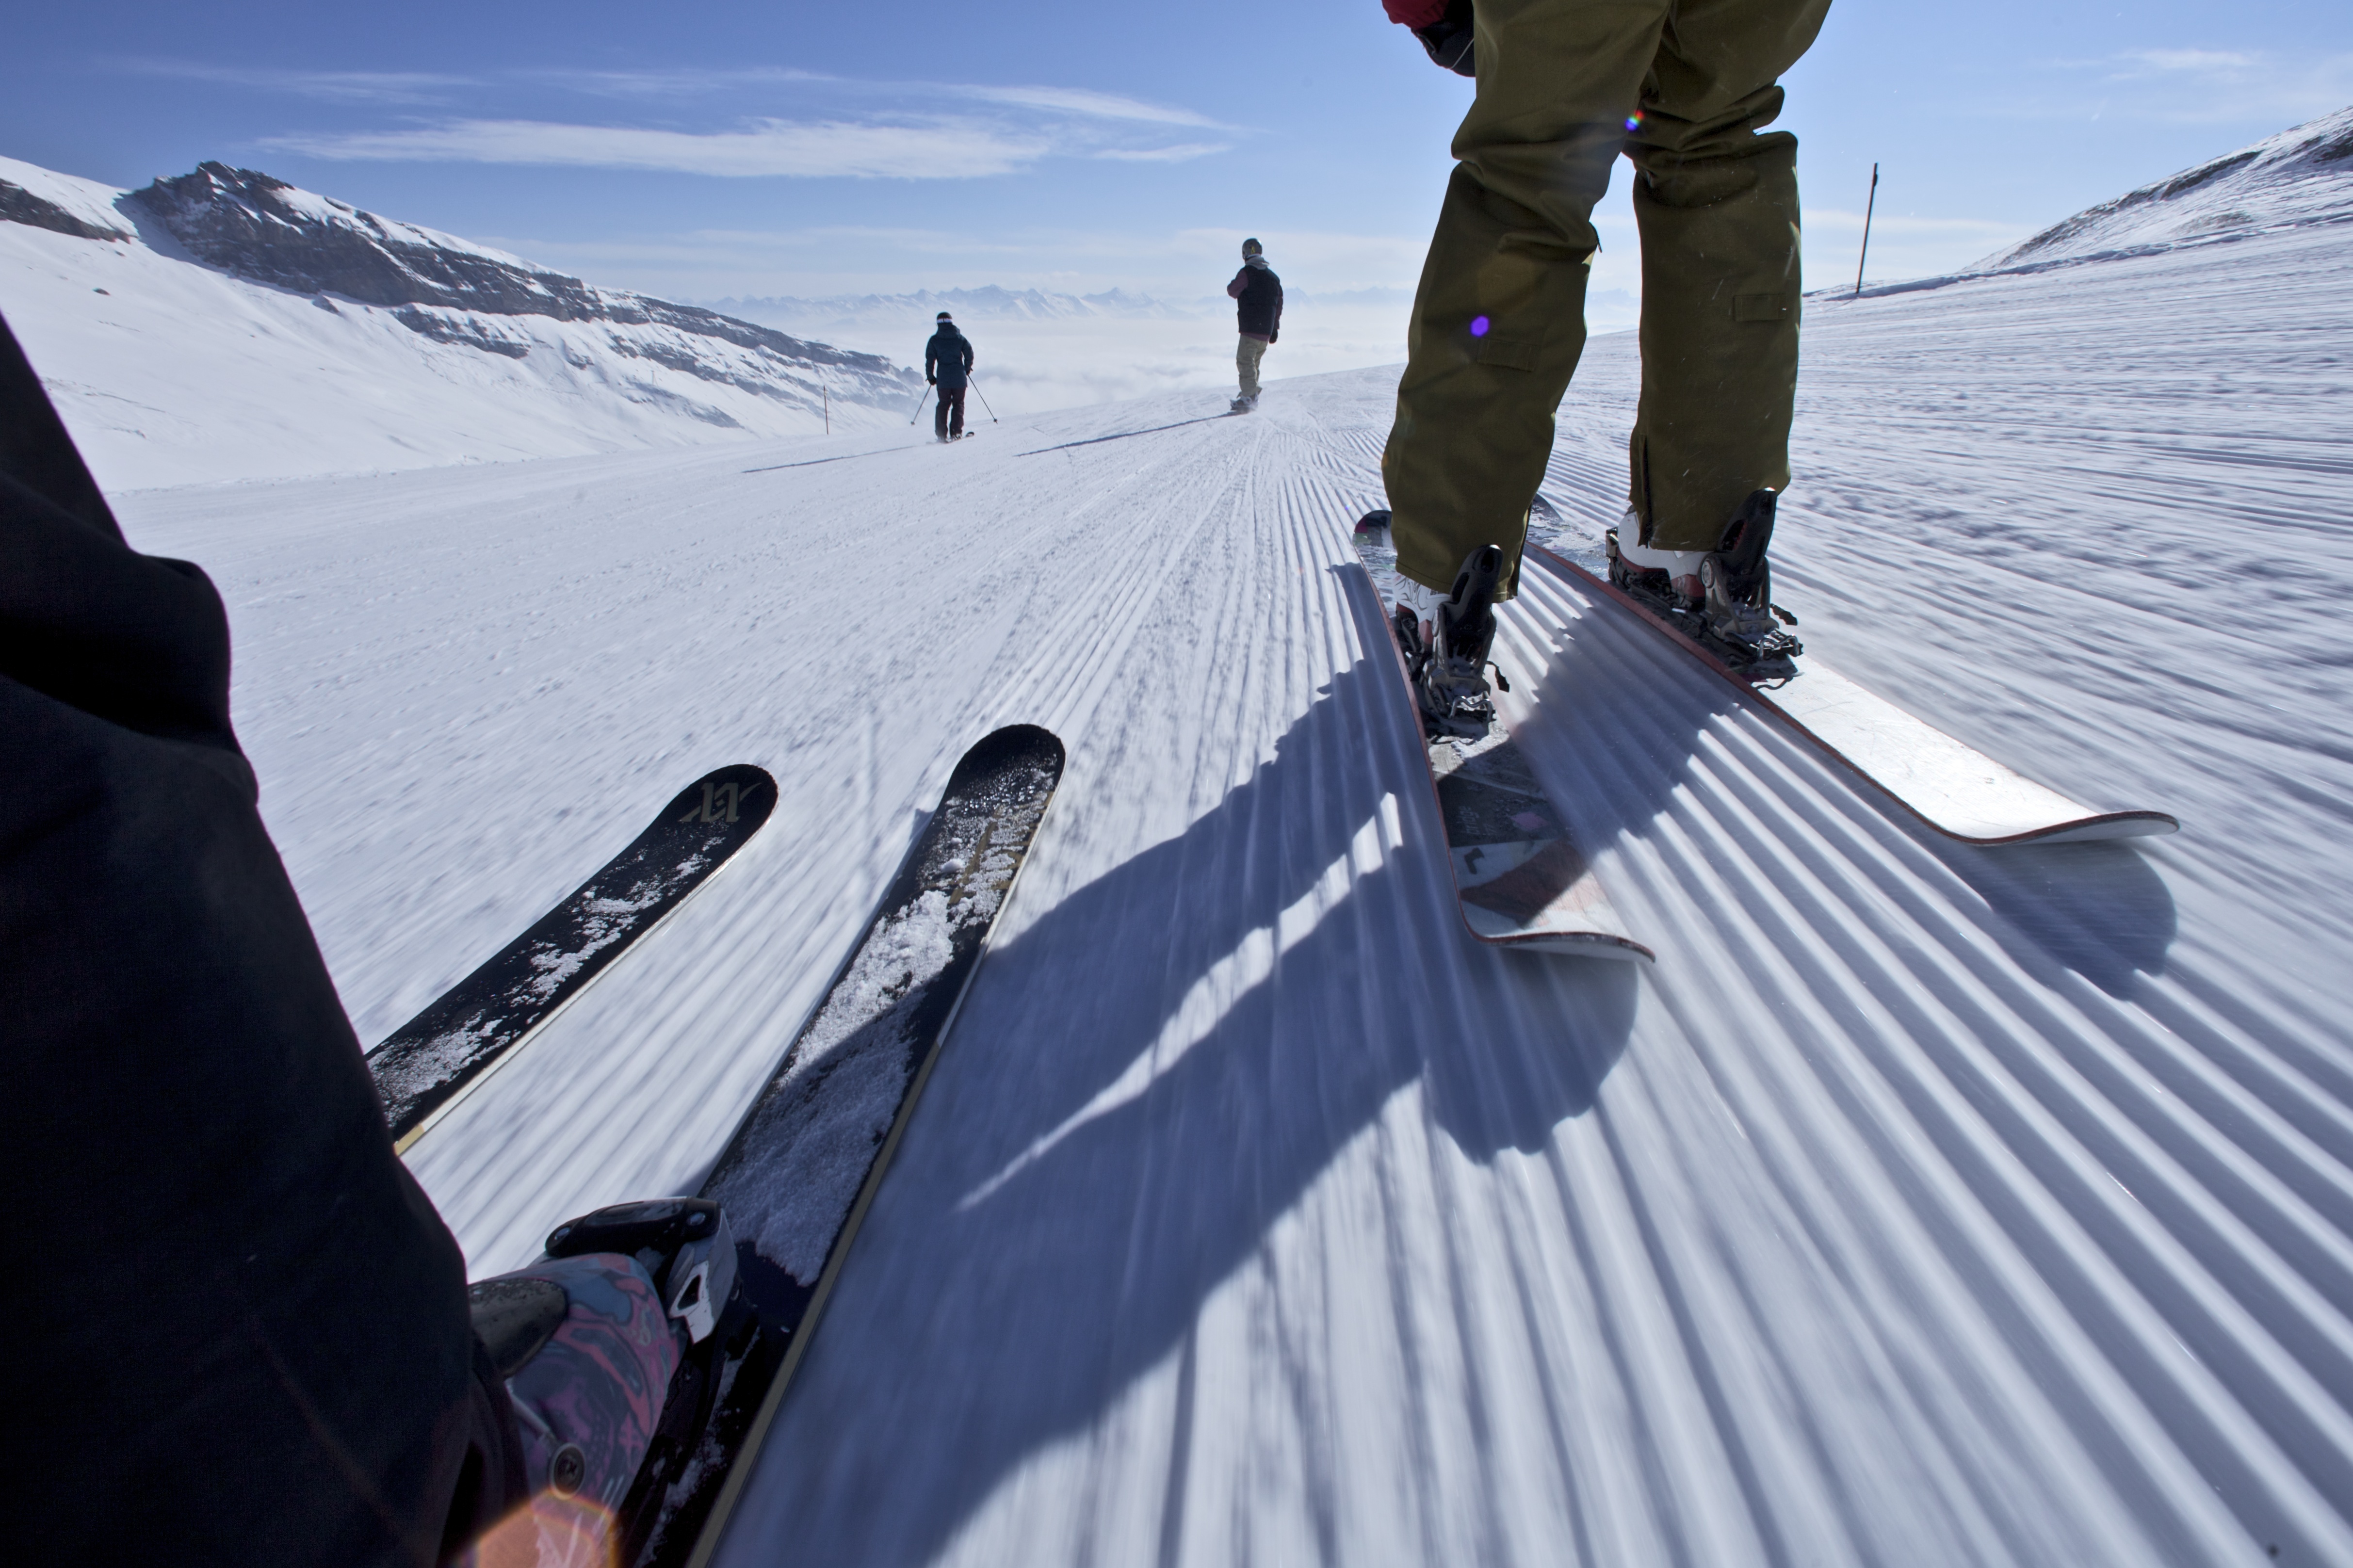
x=2302, y=177
x=224, y=324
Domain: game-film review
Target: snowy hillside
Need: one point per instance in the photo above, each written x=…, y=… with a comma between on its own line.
x=224, y=325
x=2298, y=178
x=1921, y=1206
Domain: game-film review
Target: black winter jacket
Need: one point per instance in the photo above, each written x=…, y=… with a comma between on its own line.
x=193, y=1131
x=948, y=358
x=1259, y=294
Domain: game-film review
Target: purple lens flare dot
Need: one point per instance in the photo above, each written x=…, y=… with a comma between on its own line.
x=1633, y=122
x=1479, y=325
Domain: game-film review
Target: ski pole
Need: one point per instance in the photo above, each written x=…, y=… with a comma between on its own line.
x=984, y=402
x=918, y=414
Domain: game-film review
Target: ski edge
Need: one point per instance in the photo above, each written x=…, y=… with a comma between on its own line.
x=731, y=1490
x=2088, y=826
x=1580, y=944
x=483, y=1071
x=490, y=1069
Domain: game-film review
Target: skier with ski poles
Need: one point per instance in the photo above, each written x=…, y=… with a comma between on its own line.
x=1682, y=88
x=947, y=365
x=1257, y=294
x=252, y=1339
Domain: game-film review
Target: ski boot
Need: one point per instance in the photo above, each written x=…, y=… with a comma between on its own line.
x=612, y=1347
x=1447, y=660
x=1720, y=599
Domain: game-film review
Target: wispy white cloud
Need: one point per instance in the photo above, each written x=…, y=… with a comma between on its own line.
x=1077, y=102
x=2189, y=86
x=1183, y=152
x=2134, y=62
x=1886, y=223
x=938, y=150
x=1088, y=104
x=840, y=127
x=337, y=86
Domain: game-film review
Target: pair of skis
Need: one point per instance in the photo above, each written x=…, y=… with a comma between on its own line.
x=849, y=1082
x=1520, y=880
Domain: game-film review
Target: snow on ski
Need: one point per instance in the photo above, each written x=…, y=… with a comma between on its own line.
x=1520, y=879
x=1952, y=787
x=803, y=1167
x=423, y=1067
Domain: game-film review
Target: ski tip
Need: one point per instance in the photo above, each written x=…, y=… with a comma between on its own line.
x=1012, y=746
x=741, y=794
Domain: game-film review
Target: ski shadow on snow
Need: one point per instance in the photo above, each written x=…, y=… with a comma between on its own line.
x=1144, y=1086
x=1122, y=436
x=1619, y=737
x=2098, y=909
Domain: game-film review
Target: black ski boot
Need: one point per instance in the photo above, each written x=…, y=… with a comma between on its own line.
x=1741, y=619
x=1728, y=607
x=1450, y=678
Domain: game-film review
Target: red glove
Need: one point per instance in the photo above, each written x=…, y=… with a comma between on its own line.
x=1414, y=13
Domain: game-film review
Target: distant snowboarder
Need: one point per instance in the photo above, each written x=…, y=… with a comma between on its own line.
x=1498, y=323
x=1258, y=314
x=947, y=364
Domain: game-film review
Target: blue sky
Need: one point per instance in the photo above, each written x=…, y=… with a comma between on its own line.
x=791, y=149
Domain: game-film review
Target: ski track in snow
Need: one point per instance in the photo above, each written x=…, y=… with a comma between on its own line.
x=1923, y=1205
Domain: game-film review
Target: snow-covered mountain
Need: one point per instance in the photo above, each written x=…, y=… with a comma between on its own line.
x=224, y=324
x=2300, y=177
x=898, y=313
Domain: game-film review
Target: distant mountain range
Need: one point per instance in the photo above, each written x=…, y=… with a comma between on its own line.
x=901, y=312
x=352, y=341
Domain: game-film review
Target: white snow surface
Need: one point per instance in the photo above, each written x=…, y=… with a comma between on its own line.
x=1922, y=1204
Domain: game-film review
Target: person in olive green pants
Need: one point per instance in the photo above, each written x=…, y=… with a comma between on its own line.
x=1683, y=88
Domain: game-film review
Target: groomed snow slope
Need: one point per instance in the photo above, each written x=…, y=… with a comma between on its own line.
x=1921, y=1206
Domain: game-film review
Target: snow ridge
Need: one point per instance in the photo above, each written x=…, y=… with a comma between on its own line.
x=2301, y=176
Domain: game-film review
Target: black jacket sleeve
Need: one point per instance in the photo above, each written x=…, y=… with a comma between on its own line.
x=248, y=1329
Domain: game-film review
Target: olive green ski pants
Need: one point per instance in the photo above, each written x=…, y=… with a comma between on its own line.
x=1681, y=87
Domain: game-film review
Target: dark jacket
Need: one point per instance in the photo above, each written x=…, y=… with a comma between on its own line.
x=246, y=1332
x=1259, y=313
x=947, y=358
